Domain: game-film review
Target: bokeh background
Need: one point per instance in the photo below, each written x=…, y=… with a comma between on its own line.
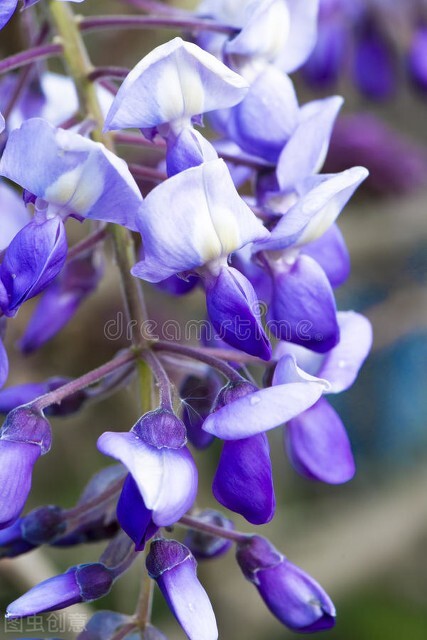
x=366, y=541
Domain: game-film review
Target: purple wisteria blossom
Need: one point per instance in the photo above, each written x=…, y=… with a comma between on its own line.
x=245, y=224
x=293, y=596
x=243, y=413
x=173, y=567
x=82, y=583
x=161, y=466
x=31, y=262
x=70, y=175
x=188, y=225
x=316, y=440
x=168, y=91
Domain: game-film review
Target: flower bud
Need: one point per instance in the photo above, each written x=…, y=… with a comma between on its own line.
x=205, y=545
x=292, y=596
x=39, y=527
x=232, y=392
x=161, y=429
x=83, y=583
x=173, y=567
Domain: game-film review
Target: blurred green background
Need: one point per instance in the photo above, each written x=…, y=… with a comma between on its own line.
x=366, y=541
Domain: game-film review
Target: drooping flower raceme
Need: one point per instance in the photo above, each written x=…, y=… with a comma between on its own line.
x=277, y=244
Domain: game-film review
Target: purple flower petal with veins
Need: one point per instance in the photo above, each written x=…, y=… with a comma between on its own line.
x=243, y=481
x=32, y=261
x=318, y=446
x=303, y=308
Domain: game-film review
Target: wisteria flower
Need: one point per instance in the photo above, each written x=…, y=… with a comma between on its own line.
x=316, y=439
x=188, y=224
x=252, y=411
x=161, y=466
x=167, y=91
x=70, y=174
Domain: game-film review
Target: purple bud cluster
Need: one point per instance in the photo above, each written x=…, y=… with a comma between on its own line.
x=268, y=258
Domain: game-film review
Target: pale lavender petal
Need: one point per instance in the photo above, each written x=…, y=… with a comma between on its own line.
x=187, y=221
x=318, y=446
x=262, y=37
x=341, y=365
x=267, y=117
x=13, y=214
x=173, y=83
x=71, y=172
x=267, y=408
x=331, y=253
x=305, y=152
x=302, y=34
x=322, y=200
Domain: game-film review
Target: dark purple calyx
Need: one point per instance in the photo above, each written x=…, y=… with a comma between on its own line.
x=165, y=555
x=25, y=424
x=256, y=554
x=161, y=429
x=94, y=580
x=232, y=392
x=43, y=525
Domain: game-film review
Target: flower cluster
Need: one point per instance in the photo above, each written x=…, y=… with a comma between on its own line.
x=247, y=217
x=371, y=40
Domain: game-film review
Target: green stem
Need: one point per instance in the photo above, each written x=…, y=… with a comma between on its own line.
x=145, y=601
x=80, y=68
